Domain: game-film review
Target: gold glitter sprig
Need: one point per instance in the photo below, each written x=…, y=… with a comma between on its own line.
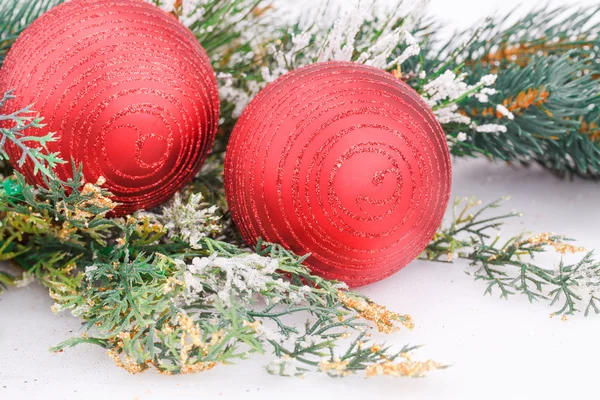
x=549, y=239
x=335, y=367
x=384, y=319
x=126, y=362
x=407, y=368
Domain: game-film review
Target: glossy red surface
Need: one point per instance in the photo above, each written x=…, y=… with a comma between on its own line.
x=128, y=90
x=342, y=161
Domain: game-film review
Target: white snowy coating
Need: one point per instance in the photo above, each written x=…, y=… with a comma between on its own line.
x=320, y=40
x=241, y=276
x=491, y=128
x=190, y=221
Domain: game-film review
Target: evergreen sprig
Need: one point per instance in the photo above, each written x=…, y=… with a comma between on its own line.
x=548, y=68
x=144, y=313
x=15, y=16
x=509, y=266
x=21, y=121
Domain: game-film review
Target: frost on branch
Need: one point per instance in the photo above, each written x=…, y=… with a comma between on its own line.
x=190, y=221
x=361, y=34
x=237, y=276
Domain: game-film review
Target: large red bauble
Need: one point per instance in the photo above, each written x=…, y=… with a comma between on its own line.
x=342, y=161
x=128, y=90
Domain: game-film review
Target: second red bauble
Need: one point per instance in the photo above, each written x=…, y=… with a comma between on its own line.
x=128, y=90
x=342, y=161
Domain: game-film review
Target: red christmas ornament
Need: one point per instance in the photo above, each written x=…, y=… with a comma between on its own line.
x=342, y=161
x=128, y=90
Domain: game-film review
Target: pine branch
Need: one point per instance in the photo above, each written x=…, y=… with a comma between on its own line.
x=15, y=16
x=546, y=65
x=547, y=80
x=22, y=121
x=509, y=266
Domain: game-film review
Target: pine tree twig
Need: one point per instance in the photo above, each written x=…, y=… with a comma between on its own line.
x=22, y=121
x=509, y=265
x=15, y=16
x=547, y=89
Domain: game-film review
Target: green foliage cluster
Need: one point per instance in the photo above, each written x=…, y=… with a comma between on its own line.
x=33, y=148
x=16, y=15
x=548, y=67
x=129, y=283
x=509, y=266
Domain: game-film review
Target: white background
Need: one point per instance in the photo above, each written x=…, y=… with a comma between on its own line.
x=498, y=349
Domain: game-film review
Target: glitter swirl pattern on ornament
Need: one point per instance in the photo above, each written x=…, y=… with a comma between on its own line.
x=128, y=90
x=342, y=161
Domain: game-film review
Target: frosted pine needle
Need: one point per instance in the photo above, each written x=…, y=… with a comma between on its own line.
x=190, y=221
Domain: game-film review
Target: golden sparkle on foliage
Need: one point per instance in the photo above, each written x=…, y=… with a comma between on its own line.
x=66, y=230
x=192, y=331
x=97, y=199
x=516, y=105
x=562, y=318
x=335, y=367
x=252, y=325
x=525, y=99
x=378, y=314
x=146, y=230
x=217, y=337
x=177, y=9
x=197, y=367
x=147, y=227
x=592, y=130
x=521, y=53
x=545, y=239
x=258, y=11
x=167, y=329
x=190, y=338
x=397, y=72
x=126, y=362
x=171, y=284
x=407, y=368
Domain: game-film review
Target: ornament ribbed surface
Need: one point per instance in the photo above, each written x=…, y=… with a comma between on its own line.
x=128, y=90
x=342, y=161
